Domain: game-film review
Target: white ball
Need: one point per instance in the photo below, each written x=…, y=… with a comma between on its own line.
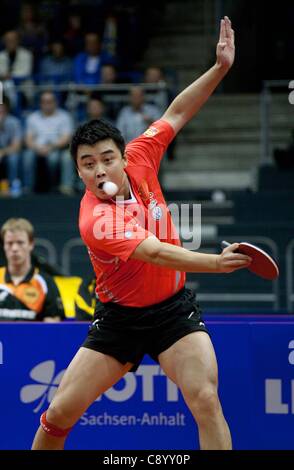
x=110, y=188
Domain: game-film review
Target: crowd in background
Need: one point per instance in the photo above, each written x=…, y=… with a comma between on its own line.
x=40, y=111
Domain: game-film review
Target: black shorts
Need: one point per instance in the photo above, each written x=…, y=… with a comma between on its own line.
x=127, y=333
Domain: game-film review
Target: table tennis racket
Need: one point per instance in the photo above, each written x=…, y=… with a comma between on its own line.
x=262, y=264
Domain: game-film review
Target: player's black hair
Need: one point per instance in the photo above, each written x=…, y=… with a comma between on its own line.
x=93, y=132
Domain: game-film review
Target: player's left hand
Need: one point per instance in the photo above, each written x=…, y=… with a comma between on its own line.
x=225, y=49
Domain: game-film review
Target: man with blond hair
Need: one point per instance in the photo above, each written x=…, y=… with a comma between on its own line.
x=25, y=293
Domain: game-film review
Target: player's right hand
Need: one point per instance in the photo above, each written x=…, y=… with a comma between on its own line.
x=229, y=261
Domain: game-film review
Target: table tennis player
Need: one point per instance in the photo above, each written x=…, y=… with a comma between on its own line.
x=145, y=307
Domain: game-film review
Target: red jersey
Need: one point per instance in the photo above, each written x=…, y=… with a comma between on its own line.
x=112, y=230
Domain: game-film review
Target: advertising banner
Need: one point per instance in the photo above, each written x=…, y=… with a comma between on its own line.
x=145, y=410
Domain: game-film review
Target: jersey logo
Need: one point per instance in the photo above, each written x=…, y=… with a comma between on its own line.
x=151, y=132
x=157, y=213
x=31, y=295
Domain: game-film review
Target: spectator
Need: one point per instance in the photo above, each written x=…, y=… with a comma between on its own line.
x=25, y=293
x=161, y=98
x=96, y=108
x=136, y=117
x=111, y=98
x=73, y=34
x=56, y=67
x=87, y=65
x=108, y=74
x=15, y=61
x=47, y=136
x=10, y=144
x=154, y=75
x=31, y=31
x=16, y=65
x=109, y=39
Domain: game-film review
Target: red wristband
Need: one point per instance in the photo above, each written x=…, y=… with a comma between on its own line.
x=51, y=429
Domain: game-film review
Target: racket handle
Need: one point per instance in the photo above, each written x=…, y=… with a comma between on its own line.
x=225, y=244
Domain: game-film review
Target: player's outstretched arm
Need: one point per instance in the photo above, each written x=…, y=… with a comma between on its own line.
x=190, y=100
x=170, y=256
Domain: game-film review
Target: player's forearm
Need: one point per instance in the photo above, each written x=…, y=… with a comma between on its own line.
x=190, y=100
x=170, y=256
x=180, y=259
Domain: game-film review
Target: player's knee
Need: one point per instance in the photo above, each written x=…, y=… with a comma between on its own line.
x=55, y=423
x=203, y=402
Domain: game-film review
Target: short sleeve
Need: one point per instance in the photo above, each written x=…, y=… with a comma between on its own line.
x=115, y=232
x=149, y=148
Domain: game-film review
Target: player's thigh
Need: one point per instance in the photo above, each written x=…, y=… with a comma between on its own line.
x=89, y=374
x=191, y=362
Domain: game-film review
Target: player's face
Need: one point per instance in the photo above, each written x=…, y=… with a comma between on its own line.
x=17, y=247
x=100, y=163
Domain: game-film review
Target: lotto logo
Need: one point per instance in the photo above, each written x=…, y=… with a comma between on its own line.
x=45, y=380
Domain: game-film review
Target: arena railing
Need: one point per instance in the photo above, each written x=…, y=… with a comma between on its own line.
x=32, y=89
x=42, y=244
x=66, y=254
x=265, y=113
